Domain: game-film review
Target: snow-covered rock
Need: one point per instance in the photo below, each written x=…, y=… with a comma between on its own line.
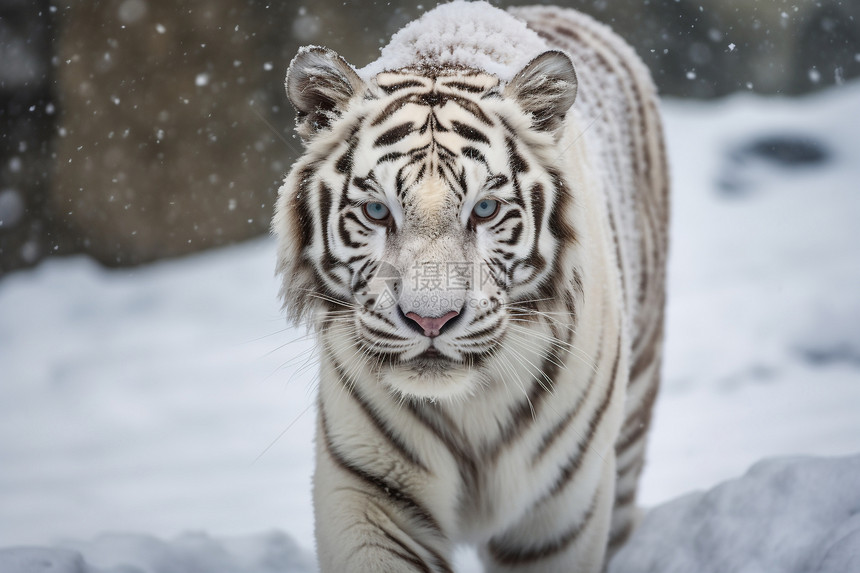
x=790, y=515
x=45, y=560
x=190, y=553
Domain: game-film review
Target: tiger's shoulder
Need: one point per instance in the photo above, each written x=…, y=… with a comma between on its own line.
x=618, y=109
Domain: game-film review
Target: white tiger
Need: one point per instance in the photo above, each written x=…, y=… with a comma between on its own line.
x=482, y=261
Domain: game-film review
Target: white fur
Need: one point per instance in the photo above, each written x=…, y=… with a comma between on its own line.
x=455, y=470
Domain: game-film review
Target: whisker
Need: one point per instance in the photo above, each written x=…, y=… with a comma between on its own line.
x=561, y=345
x=283, y=433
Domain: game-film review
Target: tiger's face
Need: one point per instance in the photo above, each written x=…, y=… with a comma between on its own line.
x=425, y=215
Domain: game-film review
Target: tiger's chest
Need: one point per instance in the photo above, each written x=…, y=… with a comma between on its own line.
x=548, y=414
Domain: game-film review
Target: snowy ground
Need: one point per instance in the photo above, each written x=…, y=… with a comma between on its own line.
x=169, y=398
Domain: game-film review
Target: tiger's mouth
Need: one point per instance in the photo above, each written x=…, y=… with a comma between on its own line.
x=431, y=360
x=431, y=352
x=432, y=356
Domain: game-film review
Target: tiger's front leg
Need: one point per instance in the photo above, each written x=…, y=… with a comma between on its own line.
x=565, y=532
x=368, y=523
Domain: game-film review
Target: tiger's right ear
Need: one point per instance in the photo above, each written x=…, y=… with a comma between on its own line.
x=320, y=84
x=545, y=88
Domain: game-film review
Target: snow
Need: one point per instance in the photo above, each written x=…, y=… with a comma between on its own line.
x=171, y=398
x=500, y=44
x=763, y=338
x=783, y=516
x=190, y=553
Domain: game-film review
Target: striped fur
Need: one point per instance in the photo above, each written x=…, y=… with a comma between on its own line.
x=521, y=427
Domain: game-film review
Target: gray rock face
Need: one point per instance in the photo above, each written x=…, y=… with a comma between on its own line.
x=27, y=114
x=784, y=516
x=163, y=146
x=190, y=553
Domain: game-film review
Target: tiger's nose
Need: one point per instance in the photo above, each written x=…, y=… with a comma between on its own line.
x=431, y=326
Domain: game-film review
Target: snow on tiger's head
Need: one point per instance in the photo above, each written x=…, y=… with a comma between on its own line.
x=426, y=211
x=470, y=35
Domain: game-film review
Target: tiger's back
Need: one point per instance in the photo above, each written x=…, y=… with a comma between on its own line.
x=619, y=98
x=508, y=408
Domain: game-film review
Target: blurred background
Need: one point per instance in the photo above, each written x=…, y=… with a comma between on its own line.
x=135, y=130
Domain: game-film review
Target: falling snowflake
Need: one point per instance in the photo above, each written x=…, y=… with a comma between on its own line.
x=814, y=75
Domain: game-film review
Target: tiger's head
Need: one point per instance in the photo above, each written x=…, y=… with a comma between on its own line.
x=427, y=218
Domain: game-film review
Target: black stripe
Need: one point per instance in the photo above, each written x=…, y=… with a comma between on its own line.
x=508, y=255
x=349, y=215
x=625, y=498
x=463, y=86
x=366, y=184
x=393, y=135
x=550, y=437
x=385, y=488
x=344, y=162
x=380, y=424
x=471, y=107
x=569, y=470
x=385, y=335
x=618, y=537
x=515, y=235
x=634, y=463
x=646, y=356
x=640, y=419
x=390, y=156
x=558, y=224
x=525, y=413
x=305, y=220
x=538, y=201
x=421, y=171
x=516, y=163
x=428, y=414
x=440, y=563
x=391, y=88
x=329, y=261
x=462, y=186
x=511, y=214
x=504, y=554
x=480, y=333
x=383, y=318
x=495, y=182
x=469, y=132
x=343, y=232
x=394, y=106
x=400, y=181
x=406, y=557
x=473, y=153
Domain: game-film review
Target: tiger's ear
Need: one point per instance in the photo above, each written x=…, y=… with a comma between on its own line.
x=320, y=84
x=545, y=88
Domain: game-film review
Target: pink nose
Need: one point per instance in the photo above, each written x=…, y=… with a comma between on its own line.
x=432, y=326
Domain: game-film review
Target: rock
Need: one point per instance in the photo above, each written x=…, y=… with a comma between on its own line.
x=163, y=145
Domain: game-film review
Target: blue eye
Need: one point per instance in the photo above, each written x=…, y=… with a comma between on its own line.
x=485, y=208
x=376, y=211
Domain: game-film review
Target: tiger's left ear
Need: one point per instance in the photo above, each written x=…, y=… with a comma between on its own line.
x=545, y=88
x=320, y=85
